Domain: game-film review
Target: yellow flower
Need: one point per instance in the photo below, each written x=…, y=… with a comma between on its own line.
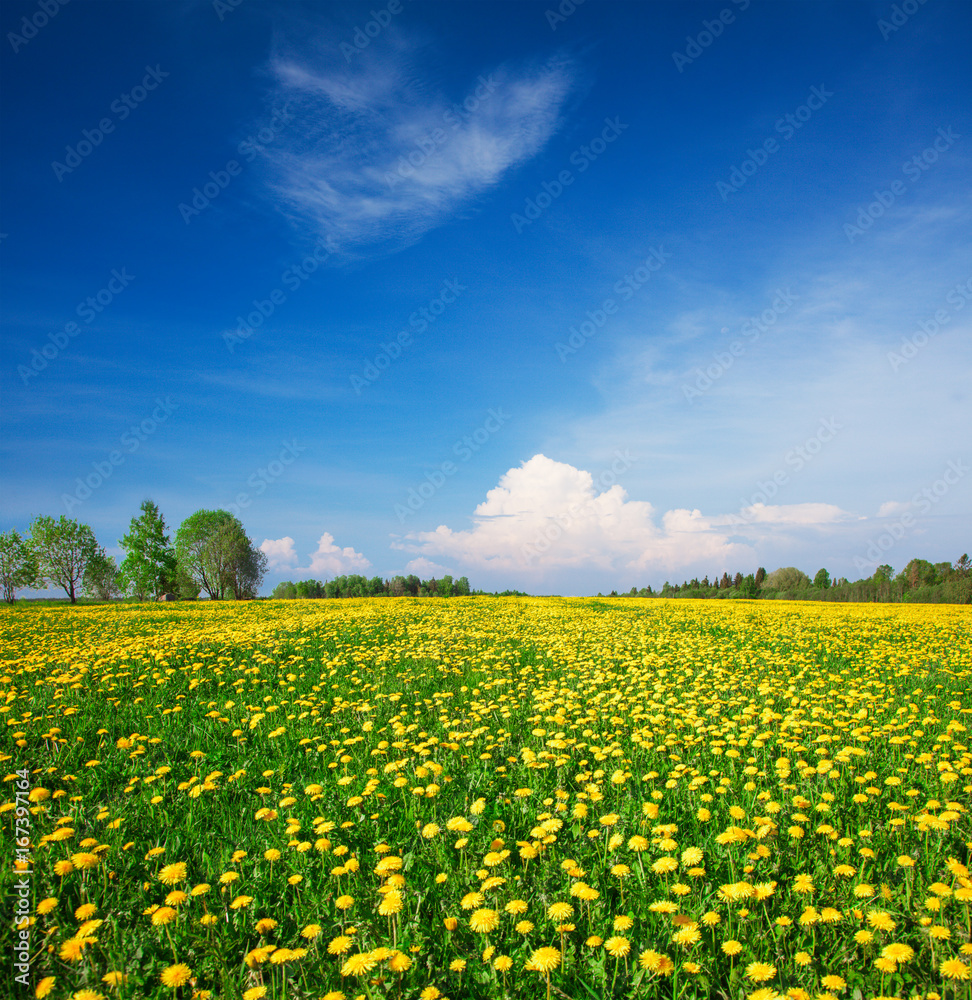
x=44, y=987
x=176, y=975
x=255, y=993
x=544, y=959
x=172, y=874
x=358, y=965
x=759, y=972
x=618, y=946
x=484, y=921
x=560, y=912
x=731, y=947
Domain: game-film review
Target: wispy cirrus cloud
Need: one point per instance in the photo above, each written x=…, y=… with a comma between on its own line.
x=380, y=157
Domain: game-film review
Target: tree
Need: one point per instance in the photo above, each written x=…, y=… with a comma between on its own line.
x=760, y=577
x=214, y=552
x=461, y=587
x=149, y=568
x=63, y=549
x=18, y=564
x=284, y=591
x=787, y=578
x=101, y=577
x=822, y=580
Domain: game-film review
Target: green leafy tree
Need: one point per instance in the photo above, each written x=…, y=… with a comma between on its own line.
x=284, y=591
x=101, y=577
x=787, y=578
x=822, y=580
x=18, y=564
x=149, y=568
x=461, y=587
x=214, y=552
x=760, y=577
x=63, y=549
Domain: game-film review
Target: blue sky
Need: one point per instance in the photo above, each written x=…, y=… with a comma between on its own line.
x=557, y=298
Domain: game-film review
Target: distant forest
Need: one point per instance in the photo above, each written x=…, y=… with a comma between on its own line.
x=360, y=586
x=920, y=582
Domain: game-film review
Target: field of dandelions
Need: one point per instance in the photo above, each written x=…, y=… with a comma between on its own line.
x=488, y=798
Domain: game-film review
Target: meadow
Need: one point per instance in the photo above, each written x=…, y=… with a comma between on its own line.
x=488, y=798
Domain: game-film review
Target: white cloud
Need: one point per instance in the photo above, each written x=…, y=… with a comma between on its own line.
x=279, y=552
x=328, y=560
x=548, y=516
x=425, y=568
x=891, y=508
x=375, y=157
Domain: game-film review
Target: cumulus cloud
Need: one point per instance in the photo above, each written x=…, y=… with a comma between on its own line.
x=279, y=552
x=425, y=568
x=548, y=515
x=328, y=560
x=379, y=157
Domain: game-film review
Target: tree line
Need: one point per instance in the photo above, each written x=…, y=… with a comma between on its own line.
x=211, y=552
x=359, y=586
x=919, y=582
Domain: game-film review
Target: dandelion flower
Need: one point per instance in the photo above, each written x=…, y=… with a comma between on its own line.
x=176, y=975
